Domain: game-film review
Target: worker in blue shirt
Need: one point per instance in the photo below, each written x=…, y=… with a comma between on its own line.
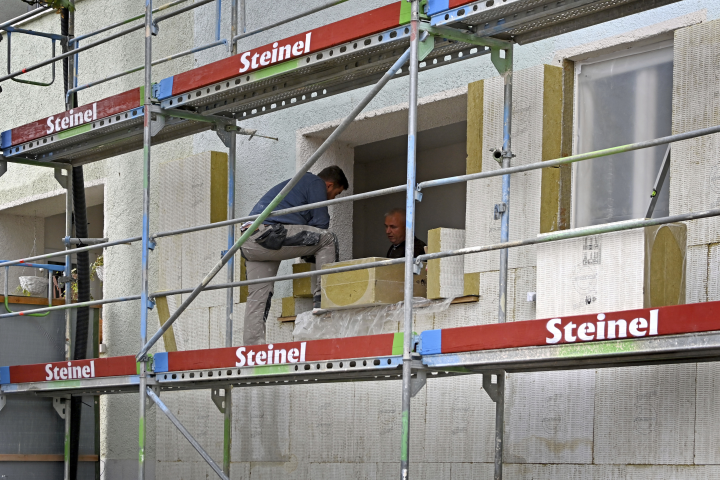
x=289, y=236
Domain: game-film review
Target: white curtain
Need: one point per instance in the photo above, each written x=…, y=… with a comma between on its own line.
x=621, y=101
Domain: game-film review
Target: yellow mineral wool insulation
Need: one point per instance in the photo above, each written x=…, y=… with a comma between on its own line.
x=302, y=287
x=445, y=275
x=218, y=186
x=367, y=287
x=293, y=306
x=550, y=206
x=475, y=95
x=471, y=284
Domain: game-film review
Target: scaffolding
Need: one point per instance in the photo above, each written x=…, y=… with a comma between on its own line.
x=403, y=38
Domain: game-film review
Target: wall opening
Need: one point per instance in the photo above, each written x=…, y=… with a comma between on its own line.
x=441, y=153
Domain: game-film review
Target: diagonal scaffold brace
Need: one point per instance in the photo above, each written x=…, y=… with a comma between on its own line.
x=276, y=201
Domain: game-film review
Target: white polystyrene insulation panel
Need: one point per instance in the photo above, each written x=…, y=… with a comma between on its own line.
x=451, y=268
x=202, y=251
x=460, y=421
x=261, y=430
x=342, y=471
x=548, y=417
x=565, y=472
x=674, y=472
x=696, y=274
x=713, y=273
x=322, y=422
x=378, y=422
x=472, y=471
x=418, y=471
x=695, y=184
x=482, y=195
x=600, y=273
x=192, y=328
x=707, y=418
x=525, y=282
x=645, y=415
x=201, y=418
x=289, y=469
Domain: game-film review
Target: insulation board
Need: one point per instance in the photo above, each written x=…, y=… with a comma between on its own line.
x=645, y=415
x=445, y=276
x=525, y=188
x=695, y=184
x=547, y=417
x=460, y=421
x=263, y=435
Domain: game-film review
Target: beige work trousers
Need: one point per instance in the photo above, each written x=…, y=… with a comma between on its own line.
x=261, y=262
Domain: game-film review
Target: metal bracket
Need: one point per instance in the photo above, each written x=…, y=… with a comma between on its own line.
x=224, y=135
x=3, y=402
x=151, y=304
x=150, y=403
x=426, y=46
x=154, y=29
x=66, y=279
x=417, y=268
x=497, y=389
x=61, y=179
x=60, y=404
x=3, y=168
x=418, y=196
x=151, y=245
x=503, y=65
x=157, y=123
x=417, y=383
x=500, y=209
x=218, y=400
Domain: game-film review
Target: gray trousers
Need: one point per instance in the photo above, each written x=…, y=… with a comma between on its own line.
x=262, y=262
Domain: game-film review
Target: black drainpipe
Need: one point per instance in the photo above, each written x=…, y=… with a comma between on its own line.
x=83, y=271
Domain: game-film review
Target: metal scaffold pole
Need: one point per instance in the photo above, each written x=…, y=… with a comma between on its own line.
x=504, y=210
x=409, y=240
x=232, y=150
x=144, y=298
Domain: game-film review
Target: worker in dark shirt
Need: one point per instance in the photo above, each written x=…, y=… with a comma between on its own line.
x=289, y=236
x=395, y=231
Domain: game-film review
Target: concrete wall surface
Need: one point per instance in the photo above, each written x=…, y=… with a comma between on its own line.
x=630, y=423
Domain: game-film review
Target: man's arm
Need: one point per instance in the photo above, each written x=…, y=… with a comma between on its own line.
x=317, y=192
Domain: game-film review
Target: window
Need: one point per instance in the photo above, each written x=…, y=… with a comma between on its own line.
x=619, y=100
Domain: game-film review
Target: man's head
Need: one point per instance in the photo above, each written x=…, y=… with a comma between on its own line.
x=395, y=225
x=335, y=181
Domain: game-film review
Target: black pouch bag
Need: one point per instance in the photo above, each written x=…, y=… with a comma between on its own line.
x=273, y=237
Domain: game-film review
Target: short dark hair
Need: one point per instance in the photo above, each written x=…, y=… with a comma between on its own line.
x=336, y=175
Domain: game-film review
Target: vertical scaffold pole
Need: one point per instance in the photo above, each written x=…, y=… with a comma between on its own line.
x=232, y=147
x=409, y=239
x=144, y=300
x=504, y=237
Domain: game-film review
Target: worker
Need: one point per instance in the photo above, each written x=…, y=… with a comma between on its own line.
x=289, y=236
x=395, y=231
